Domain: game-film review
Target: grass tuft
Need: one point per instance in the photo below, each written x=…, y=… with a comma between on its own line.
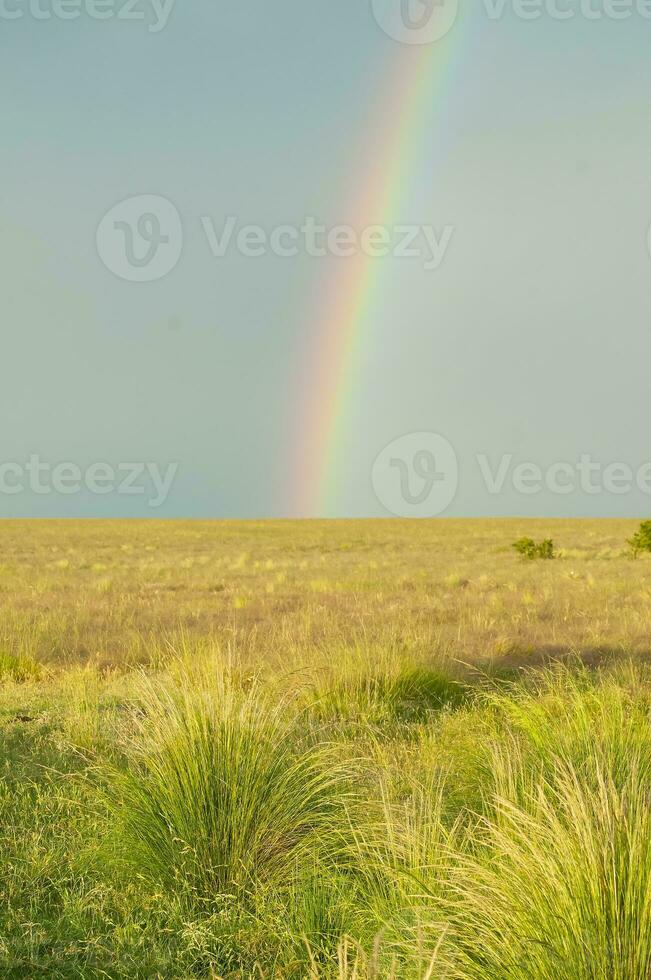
x=219, y=795
x=559, y=886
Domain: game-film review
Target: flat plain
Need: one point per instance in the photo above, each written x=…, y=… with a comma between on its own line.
x=324, y=749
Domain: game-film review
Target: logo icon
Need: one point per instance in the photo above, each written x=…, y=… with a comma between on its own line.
x=415, y=21
x=416, y=475
x=140, y=239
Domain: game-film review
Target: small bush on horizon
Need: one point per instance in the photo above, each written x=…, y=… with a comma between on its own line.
x=530, y=550
x=641, y=540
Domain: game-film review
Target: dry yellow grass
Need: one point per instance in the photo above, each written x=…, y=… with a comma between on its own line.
x=116, y=593
x=166, y=685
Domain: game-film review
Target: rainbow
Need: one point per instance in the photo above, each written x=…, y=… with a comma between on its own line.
x=331, y=370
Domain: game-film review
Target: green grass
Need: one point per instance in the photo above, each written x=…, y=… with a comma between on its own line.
x=381, y=687
x=217, y=795
x=18, y=668
x=332, y=783
x=560, y=884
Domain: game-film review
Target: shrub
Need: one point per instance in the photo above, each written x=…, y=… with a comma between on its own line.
x=527, y=548
x=641, y=540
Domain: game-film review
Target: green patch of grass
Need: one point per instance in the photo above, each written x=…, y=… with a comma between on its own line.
x=162, y=815
x=559, y=885
x=16, y=667
x=219, y=796
x=383, y=687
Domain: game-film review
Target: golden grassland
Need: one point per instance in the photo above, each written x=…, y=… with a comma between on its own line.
x=347, y=749
x=112, y=593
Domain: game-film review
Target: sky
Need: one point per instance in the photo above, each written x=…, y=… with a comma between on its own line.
x=166, y=301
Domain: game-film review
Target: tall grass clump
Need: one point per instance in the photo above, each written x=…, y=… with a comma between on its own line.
x=219, y=795
x=402, y=857
x=592, y=719
x=558, y=887
x=596, y=721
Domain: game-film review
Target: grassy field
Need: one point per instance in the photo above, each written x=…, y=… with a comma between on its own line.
x=349, y=749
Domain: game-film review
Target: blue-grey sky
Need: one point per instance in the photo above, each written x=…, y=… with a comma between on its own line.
x=530, y=342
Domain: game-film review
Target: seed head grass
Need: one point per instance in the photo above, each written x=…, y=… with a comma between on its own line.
x=415, y=758
x=220, y=794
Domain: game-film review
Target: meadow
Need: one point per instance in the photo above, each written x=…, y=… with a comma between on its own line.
x=356, y=750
